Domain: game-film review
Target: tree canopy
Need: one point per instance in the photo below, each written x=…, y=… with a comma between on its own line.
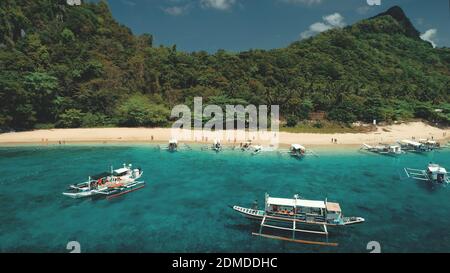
x=72, y=66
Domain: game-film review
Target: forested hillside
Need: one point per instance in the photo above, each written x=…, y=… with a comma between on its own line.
x=75, y=66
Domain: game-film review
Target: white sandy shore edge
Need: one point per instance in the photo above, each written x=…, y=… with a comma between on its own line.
x=387, y=134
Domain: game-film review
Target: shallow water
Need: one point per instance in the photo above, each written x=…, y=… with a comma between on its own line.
x=185, y=204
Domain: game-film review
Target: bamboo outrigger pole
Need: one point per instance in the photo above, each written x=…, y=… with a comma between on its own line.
x=294, y=240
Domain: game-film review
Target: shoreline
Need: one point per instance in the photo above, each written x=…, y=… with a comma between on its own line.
x=383, y=134
x=155, y=144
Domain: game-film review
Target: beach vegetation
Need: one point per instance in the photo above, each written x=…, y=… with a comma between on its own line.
x=291, y=121
x=78, y=67
x=138, y=110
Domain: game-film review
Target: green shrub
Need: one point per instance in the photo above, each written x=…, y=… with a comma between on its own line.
x=291, y=121
x=44, y=126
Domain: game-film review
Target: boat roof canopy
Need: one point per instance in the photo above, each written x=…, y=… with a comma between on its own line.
x=297, y=147
x=410, y=142
x=295, y=203
x=121, y=170
x=435, y=168
x=333, y=207
x=100, y=175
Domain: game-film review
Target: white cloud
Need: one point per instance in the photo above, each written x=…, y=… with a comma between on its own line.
x=176, y=10
x=319, y=27
x=331, y=21
x=218, y=4
x=334, y=20
x=430, y=36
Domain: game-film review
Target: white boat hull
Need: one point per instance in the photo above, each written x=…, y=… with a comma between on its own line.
x=77, y=195
x=124, y=183
x=259, y=215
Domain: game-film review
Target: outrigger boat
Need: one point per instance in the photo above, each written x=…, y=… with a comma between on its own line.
x=116, y=182
x=257, y=149
x=430, y=144
x=383, y=149
x=173, y=145
x=413, y=146
x=433, y=174
x=217, y=146
x=297, y=215
x=299, y=151
x=246, y=146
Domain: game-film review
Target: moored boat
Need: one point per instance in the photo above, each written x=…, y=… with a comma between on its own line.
x=246, y=146
x=434, y=174
x=118, y=180
x=173, y=145
x=289, y=214
x=413, y=146
x=430, y=144
x=257, y=149
x=217, y=146
x=383, y=149
x=297, y=151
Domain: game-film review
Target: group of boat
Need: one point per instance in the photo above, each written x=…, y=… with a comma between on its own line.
x=403, y=146
x=295, y=150
x=293, y=215
x=434, y=173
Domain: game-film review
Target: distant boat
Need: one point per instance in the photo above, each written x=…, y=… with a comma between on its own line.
x=297, y=150
x=284, y=214
x=116, y=182
x=384, y=149
x=257, y=149
x=413, y=146
x=217, y=146
x=173, y=145
x=246, y=146
x=434, y=174
x=430, y=144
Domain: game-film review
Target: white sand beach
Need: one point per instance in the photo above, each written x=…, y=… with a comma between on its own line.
x=386, y=134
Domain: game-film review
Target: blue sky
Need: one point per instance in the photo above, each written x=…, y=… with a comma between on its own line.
x=239, y=25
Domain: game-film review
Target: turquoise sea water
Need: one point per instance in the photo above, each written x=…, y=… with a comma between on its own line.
x=185, y=204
